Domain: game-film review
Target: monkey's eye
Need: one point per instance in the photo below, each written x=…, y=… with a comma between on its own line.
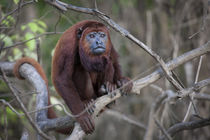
x=102, y=35
x=92, y=35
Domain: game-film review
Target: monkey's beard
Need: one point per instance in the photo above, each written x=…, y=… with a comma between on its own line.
x=92, y=63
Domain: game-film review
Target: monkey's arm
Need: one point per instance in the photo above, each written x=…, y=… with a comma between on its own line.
x=118, y=78
x=66, y=88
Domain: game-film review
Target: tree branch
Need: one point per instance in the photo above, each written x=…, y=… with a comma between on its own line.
x=187, y=126
x=23, y=107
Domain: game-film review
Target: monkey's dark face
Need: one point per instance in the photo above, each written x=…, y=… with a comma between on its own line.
x=97, y=42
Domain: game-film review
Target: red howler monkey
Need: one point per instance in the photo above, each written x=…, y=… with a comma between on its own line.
x=83, y=61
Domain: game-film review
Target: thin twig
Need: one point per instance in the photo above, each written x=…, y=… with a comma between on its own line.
x=163, y=130
x=192, y=98
x=38, y=50
x=10, y=106
x=36, y=37
x=12, y=12
x=5, y=123
x=153, y=110
x=123, y=117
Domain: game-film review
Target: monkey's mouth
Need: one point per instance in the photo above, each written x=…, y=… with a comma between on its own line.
x=99, y=49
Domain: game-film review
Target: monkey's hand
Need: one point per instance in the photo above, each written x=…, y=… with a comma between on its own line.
x=86, y=122
x=110, y=87
x=107, y=87
x=128, y=85
x=89, y=106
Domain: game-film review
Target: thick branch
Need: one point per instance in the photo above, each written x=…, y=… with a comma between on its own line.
x=23, y=107
x=187, y=126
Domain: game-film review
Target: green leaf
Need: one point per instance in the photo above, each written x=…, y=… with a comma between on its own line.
x=52, y=52
x=16, y=1
x=17, y=53
x=33, y=27
x=6, y=39
x=23, y=27
x=41, y=23
x=8, y=21
x=56, y=101
x=40, y=30
x=30, y=44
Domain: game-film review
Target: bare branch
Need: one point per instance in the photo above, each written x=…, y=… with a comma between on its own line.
x=187, y=126
x=19, y=6
x=202, y=96
x=162, y=129
x=123, y=117
x=36, y=37
x=151, y=123
x=77, y=134
x=25, y=135
x=194, y=88
x=196, y=80
x=10, y=106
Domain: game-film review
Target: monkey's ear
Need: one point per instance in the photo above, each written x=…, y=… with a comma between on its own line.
x=79, y=33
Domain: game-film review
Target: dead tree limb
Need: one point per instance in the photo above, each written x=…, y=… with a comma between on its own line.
x=173, y=130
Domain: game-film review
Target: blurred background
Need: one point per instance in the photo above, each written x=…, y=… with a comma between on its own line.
x=169, y=27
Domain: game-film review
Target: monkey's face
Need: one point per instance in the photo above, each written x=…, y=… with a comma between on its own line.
x=97, y=42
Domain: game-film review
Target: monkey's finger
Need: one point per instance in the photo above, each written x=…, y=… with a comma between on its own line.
x=93, y=103
x=89, y=125
x=84, y=126
x=119, y=84
x=115, y=87
x=110, y=87
x=103, y=90
x=91, y=110
x=87, y=108
x=128, y=87
x=107, y=86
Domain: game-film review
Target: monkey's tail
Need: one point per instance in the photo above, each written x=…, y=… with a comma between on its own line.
x=51, y=113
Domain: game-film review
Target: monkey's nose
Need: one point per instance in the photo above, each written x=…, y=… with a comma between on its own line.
x=99, y=42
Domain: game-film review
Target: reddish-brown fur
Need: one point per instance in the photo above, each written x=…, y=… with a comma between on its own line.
x=77, y=74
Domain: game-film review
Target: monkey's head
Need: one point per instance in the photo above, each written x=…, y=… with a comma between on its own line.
x=95, y=40
x=94, y=46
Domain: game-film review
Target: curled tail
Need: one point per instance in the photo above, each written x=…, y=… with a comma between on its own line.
x=51, y=113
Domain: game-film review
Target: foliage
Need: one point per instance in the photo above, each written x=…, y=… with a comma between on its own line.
x=26, y=32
